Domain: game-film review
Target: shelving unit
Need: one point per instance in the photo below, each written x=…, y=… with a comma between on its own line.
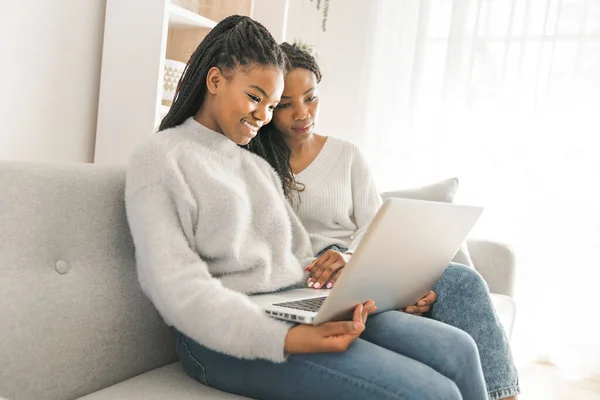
x=138, y=36
x=181, y=18
x=163, y=110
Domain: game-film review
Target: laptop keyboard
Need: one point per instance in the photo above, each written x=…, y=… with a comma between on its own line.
x=304, y=305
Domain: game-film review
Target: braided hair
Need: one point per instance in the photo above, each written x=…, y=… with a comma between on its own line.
x=270, y=143
x=298, y=57
x=235, y=41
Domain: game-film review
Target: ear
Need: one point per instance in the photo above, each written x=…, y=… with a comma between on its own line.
x=214, y=80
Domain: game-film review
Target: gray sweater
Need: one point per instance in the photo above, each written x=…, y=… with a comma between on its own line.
x=210, y=224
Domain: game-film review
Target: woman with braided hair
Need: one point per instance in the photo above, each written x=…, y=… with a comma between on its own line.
x=211, y=225
x=328, y=182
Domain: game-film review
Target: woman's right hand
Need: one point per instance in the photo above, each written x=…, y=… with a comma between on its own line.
x=330, y=337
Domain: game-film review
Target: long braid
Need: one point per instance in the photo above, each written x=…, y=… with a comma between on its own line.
x=235, y=41
x=269, y=143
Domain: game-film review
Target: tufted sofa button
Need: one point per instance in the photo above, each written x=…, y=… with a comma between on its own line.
x=62, y=267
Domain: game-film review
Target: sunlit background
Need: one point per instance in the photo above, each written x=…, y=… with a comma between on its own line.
x=504, y=94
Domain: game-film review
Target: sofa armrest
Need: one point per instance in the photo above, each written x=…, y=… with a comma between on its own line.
x=495, y=262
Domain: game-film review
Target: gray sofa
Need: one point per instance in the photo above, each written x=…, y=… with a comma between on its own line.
x=73, y=320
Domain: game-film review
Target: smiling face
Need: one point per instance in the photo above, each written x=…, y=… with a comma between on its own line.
x=243, y=100
x=298, y=110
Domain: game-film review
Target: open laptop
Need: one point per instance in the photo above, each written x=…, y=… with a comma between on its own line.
x=402, y=255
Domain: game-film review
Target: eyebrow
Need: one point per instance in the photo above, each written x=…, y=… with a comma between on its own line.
x=303, y=94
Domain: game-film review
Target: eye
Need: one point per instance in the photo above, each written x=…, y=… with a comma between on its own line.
x=254, y=98
x=272, y=108
x=282, y=106
x=311, y=99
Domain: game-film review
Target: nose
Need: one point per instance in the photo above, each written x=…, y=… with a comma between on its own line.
x=301, y=112
x=262, y=114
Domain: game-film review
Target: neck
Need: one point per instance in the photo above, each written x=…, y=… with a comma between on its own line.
x=301, y=146
x=203, y=116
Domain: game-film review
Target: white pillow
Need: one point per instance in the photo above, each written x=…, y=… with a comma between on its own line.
x=443, y=191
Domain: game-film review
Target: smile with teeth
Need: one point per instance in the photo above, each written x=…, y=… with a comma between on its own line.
x=252, y=127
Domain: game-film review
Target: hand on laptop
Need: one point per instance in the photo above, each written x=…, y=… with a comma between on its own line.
x=423, y=305
x=330, y=337
x=325, y=270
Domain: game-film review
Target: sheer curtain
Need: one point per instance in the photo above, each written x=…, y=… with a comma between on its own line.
x=504, y=94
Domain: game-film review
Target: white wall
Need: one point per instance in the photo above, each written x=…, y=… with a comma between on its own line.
x=50, y=71
x=344, y=56
x=49, y=78
x=273, y=15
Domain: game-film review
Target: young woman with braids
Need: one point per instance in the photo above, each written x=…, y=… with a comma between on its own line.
x=211, y=225
x=329, y=184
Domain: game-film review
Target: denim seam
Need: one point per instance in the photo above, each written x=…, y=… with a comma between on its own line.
x=195, y=360
x=505, y=388
x=504, y=392
x=368, y=385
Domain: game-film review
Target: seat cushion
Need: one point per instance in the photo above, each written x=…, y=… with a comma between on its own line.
x=166, y=383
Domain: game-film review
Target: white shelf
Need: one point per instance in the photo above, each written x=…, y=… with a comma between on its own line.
x=181, y=18
x=163, y=110
x=120, y=97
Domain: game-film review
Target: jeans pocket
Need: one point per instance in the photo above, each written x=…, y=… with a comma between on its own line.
x=192, y=366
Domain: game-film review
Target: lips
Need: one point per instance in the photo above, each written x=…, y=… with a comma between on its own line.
x=302, y=129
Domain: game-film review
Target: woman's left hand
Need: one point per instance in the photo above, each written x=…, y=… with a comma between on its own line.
x=325, y=270
x=423, y=305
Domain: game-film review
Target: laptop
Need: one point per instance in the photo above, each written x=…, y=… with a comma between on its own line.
x=402, y=255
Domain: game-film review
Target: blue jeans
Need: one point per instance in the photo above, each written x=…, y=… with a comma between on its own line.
x=463, y=301
x=399, y=356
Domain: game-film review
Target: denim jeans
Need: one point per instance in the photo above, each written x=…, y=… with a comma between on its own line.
x=399, y=356
x=463, y=301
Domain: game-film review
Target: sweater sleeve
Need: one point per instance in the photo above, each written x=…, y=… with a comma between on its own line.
x=179, y=283
x=365, y=197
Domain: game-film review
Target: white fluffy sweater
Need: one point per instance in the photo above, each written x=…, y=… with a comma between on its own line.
x=210, y=224
x=340, y=198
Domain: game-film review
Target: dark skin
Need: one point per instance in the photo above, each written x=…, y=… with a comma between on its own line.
x=250, y=96
x=295, y=118
x=237, y=103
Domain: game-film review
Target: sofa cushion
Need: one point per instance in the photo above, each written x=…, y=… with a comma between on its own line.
x=443, y=191
x=167, y=383
x=73, y=318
